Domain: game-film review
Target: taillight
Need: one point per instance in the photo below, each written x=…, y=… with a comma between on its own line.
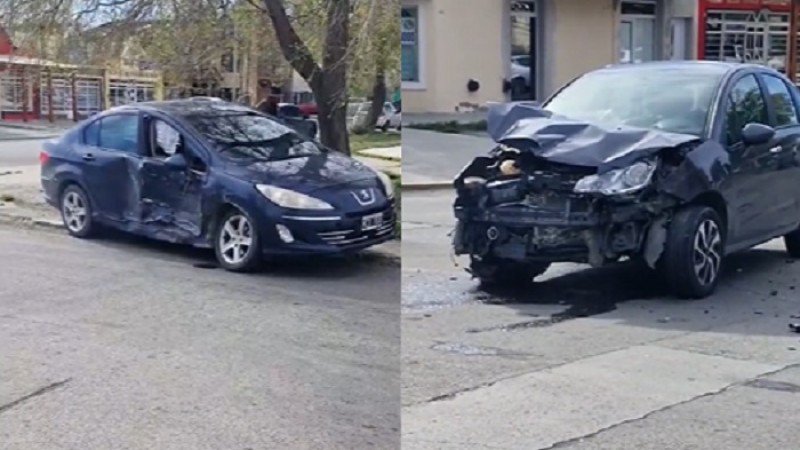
x=44, y=157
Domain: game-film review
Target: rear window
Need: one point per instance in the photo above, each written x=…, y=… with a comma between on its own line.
x=252, y=136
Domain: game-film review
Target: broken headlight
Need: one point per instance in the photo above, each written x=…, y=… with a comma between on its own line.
x=291, y=199
x=618, y=181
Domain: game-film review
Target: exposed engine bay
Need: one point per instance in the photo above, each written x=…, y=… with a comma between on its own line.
x=558, y=190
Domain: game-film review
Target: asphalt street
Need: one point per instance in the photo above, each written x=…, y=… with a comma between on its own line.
x=431, y=156
x=593, y=358
x=19, y=147
x=120, y=343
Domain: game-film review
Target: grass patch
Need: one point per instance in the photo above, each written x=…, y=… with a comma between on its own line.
x=360, y=142
x=453, y=127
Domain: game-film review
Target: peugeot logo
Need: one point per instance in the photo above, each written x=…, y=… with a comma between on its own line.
x=364, y=197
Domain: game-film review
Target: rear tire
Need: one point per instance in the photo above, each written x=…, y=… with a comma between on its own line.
x=506, y=273
x=76, y=212
x=693, y=253
x=236, y=243
x=792, y=242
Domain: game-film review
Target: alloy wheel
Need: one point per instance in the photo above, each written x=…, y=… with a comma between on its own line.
x=75, y=211
x=236, y=239
x=707, y=253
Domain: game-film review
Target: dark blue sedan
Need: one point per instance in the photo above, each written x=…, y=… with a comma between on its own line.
x=215, y=175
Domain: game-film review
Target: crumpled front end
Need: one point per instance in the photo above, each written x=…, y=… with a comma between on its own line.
x=519, y=207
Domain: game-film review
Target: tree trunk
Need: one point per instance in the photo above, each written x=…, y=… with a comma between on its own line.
x=328, y=82
x=378, y=99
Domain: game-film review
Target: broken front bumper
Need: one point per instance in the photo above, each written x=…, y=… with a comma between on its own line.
x=553, y=227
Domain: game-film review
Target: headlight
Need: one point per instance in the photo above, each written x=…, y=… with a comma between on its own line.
x=388, y=185
x=619, y=181
x=291, y=199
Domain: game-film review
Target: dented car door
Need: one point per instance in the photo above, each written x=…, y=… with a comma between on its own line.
x=110, y=155
x=172, y=179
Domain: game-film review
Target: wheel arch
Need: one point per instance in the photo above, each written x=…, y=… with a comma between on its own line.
x=717, y=202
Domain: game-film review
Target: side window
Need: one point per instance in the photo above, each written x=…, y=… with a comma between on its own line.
x=781, y=100
x=120, y=132
x=91, y=134
x=745, y=105
x=166, y=140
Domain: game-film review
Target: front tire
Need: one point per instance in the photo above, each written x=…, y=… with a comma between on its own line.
x=694, y=252
x=76, y=212
x=236, y=243
x=506, y=273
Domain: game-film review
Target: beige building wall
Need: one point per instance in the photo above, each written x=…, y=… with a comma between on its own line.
x=582, y=36
x=470, y=39
x=461, y=40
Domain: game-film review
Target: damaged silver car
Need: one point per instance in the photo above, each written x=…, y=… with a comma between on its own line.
x=674, y=164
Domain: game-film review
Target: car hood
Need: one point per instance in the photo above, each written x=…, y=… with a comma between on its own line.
x=562, y=140
x=305, y=174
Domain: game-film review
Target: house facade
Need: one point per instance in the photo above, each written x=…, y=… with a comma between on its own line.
x=463, y=54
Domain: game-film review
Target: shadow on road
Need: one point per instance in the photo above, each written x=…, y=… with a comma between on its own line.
x=758, y=282
x=204, y=259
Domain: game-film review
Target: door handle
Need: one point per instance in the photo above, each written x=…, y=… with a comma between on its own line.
x=776, y=149
x=88, y=157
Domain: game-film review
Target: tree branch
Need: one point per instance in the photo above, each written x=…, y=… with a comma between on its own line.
x=293, y=48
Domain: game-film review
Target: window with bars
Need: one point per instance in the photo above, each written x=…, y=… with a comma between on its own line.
x=758, y=37
x=11, y=89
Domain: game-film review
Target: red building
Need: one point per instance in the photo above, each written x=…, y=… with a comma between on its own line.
x=755, y=31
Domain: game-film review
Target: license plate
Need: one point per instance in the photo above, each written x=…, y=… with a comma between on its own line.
x=371, y=221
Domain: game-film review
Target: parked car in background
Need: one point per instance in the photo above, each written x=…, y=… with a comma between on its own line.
x=294, y=116
x=520, y=75
x=309, y=109
x=215, y=175
x=391, y=118
x=673, y=164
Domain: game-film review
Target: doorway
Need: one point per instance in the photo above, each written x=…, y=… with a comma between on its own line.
x=637, y=31
x=523, y=59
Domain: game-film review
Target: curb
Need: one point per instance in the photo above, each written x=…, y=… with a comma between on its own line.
x=22, y=126
x=29, y=138
x=17, y=219
x=426, y=186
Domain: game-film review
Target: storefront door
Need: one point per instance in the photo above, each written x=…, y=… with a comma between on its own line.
x=523, y=61
x=637, y=31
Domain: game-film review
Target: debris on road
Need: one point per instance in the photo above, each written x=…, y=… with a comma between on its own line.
x=795, y=327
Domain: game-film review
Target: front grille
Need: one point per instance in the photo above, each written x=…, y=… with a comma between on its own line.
x=350, y=236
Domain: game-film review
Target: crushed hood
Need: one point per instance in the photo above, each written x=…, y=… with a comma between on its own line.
x=562, y=140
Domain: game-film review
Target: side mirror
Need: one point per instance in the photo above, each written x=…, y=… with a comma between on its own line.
x=757, y=134
x=176, y=162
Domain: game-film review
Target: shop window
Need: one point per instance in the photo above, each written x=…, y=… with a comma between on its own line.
x=522, y=63
x=13, y=93
x=409, y=38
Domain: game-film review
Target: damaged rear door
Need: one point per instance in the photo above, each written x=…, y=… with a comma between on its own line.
x=172, y=177
x=109, y=160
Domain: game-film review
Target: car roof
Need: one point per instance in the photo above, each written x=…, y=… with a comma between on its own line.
x=185, y=107
x=710, y=67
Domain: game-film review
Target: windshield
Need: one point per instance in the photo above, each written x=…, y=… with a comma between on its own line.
x=246, y=135
x=670, y=99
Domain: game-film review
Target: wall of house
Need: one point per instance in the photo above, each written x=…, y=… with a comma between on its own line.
x=460, y=40
x=580, y=35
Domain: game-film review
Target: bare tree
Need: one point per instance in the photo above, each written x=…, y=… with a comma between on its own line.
x=328, y=79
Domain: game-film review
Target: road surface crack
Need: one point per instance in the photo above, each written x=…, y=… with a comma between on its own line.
x=39, y=392
x=748, y=382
